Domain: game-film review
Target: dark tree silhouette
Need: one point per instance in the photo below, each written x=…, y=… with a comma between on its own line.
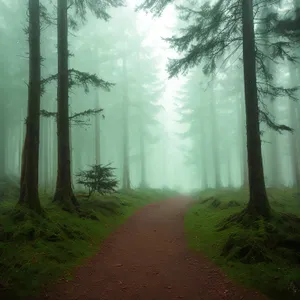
x=64, y=194
x=212, y=31
x=29, y=195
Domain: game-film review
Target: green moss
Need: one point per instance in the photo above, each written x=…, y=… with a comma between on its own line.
x=256, y=253
x=36, y=250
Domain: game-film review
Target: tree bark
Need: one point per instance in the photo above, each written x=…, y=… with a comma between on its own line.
x=64, y=194
x=230, y=182
x=29, y=195
x=46, y=154
x=97, y=131
x=164, y=165
x=126, y=173
x=275, y=179
x=203, y=154
x=143, y=183
x=53, y=151
x=41, y=156
x=244, y=145
x=215, y=142
x=241, y=124
x=2, y=139
x=258, y=203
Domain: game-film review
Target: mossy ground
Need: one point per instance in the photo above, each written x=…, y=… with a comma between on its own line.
x=260, y=254
x=35, y=251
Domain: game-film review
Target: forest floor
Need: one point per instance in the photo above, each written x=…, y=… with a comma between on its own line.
x=147, y=258
x=136, y=250
x=36, y=251
x=265, y=254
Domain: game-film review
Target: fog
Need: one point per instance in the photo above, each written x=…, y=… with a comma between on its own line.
x=184, y=133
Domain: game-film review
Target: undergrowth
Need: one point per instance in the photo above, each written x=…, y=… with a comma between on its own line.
x=37, y=250
x=261, y=254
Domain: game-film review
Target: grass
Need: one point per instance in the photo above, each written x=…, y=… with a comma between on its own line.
x=265, y=255
x=37, y=251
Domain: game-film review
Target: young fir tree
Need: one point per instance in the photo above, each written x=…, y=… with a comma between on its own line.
x=29, y=196
x=212, y=30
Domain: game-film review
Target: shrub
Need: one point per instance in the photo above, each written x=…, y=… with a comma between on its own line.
x=99, y=179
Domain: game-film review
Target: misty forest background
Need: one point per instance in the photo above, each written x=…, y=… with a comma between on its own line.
x=211, y=110
x=206, y=149
x=124, y=59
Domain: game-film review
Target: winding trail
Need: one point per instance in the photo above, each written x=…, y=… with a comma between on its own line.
x=147, y=259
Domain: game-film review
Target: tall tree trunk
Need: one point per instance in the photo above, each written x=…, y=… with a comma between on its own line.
x=2, y=139
x=126, y=173
x=3, y=125
x=64, y=194
x=46, y=154
x=203, y=166
x=97, y=131
x=230, y=183
x=241, y=120
x=143, y=183
x=215, y=142
x=164, y=165
x=29, y=195
x=71, y=149
x=275, y=180
x=244, y=145
x=42, y=150
x=203, y=155
x=53, y=151
x=293, y=116
x=3, y=129
x=22, y=132
x=258, y=203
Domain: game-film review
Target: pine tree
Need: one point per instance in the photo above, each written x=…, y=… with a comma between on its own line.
x=97, y=131
x=64, y=193
x=29, y=196
x=258, y=203
x=125, y=123
x=214, y=29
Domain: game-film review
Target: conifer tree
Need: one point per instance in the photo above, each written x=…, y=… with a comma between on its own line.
x=213, y=30
x=29, y=195
x=64, y=193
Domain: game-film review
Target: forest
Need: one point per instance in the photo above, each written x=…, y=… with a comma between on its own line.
x=134, y=133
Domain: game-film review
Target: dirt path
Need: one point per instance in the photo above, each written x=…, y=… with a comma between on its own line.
x=147, y=259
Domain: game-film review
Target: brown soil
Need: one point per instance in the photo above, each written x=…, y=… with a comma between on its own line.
x=147, y=259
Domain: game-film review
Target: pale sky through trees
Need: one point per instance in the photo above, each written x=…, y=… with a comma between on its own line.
x=158, y=28
x=173, y=137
